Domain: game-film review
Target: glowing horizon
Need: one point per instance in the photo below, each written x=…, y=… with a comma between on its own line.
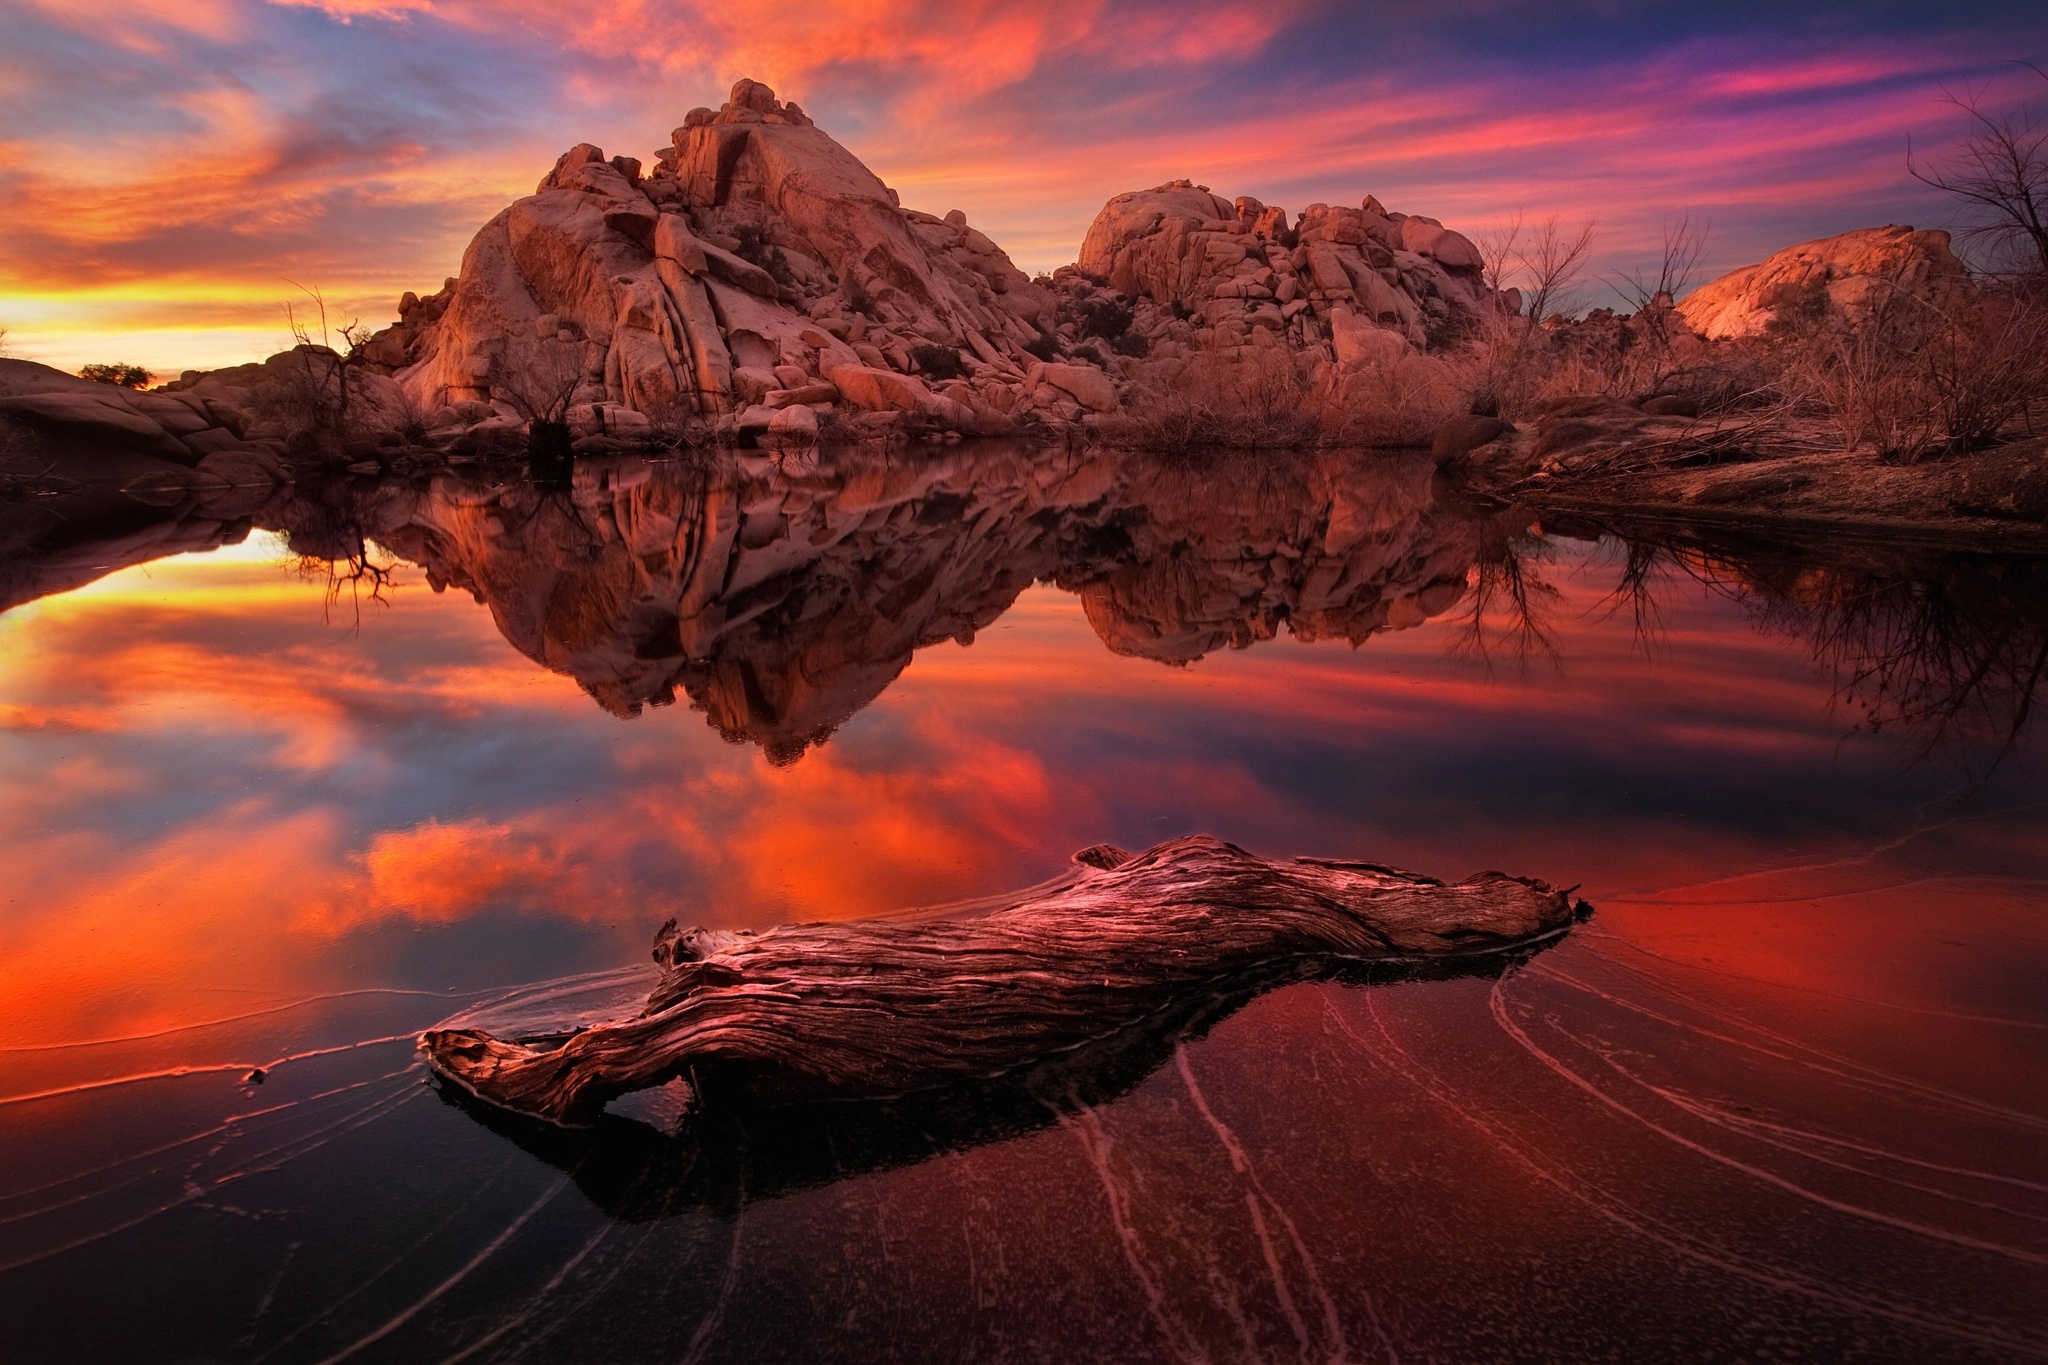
x=171, y=172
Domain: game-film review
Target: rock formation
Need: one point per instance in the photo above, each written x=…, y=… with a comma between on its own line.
x=757, y=268
x=1361, y=284
x=1849, y=275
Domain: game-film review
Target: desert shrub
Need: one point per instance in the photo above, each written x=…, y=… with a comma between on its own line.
x=540, y=390
x=1105, y=318
x=120, y=375
x=939, y=362
x=1266, y=398
x=1397, y=402
x=756, y=248
x=674, y=422
x=1133, y=344
x=1045, y=346
x=1913, y=377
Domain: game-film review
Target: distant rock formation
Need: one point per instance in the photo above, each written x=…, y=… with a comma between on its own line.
x=1848, y=275
x=1364, y=283
x=759, y=267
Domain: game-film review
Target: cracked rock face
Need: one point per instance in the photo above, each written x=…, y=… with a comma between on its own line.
x=758, y=258
x=1850, y=275
x=1365, y=282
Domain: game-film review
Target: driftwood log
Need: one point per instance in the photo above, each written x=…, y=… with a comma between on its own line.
x=870, y=1008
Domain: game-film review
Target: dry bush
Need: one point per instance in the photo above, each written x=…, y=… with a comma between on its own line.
x=539, y=389
x=304, y=394
x=1398, y=402
x=675, y=424
x=1917, y=378
x=1265, y=400
x=1268, y=398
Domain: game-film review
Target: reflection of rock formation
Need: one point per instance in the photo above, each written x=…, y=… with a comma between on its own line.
x=783, y=598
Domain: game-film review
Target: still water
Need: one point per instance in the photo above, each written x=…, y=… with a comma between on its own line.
x=290, y=777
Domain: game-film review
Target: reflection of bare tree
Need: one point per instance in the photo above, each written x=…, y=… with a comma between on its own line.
x=1953, y=647
x=1509, y=608
x=1955, y=656
x=328, y=541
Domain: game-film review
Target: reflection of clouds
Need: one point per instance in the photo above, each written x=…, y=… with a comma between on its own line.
x=240, y=794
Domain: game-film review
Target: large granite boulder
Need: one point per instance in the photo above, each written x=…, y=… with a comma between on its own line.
x=1848, y=275
x=757, y=244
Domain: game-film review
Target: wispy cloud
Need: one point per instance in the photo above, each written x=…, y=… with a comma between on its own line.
x=166, y=165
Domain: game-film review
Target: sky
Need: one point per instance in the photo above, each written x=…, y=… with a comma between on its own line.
x=173, y=172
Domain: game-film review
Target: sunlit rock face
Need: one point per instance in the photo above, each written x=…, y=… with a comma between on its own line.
x=783, y=596
x=1363, y=283
x=1850, y=276
x=759, y=265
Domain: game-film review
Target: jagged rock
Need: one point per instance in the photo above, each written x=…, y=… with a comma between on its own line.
x=1848, y=275
x=756, y=244
x=1359, y=285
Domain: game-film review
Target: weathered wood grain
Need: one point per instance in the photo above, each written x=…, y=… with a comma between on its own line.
x=879, y=1007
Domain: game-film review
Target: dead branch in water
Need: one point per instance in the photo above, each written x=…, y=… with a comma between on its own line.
x=875, y=1007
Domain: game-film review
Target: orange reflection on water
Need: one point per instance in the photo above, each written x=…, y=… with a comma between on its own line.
x=219, y=788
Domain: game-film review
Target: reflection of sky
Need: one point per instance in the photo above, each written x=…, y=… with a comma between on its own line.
x=217, y=786
x=1792, y=1064
x=166, y=167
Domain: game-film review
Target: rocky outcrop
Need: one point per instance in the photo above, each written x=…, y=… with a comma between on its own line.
x=74, y=410
x=757, y=267
x=1360, y=285
x=1847, y=276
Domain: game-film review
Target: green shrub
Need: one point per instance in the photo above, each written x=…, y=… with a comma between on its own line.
x=120, y=375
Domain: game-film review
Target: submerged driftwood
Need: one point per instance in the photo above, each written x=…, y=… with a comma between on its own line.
x=878, y=1007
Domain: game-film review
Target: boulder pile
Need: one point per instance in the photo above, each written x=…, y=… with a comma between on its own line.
x=759, y=282
x=760, y=278
x=1354, y=285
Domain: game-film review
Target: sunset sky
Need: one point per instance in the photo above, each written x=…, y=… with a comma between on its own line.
x=169, y=169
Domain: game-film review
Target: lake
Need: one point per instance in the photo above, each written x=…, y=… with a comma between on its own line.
x=291, y=776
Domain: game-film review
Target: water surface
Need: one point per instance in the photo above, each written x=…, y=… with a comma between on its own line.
x=290, y=778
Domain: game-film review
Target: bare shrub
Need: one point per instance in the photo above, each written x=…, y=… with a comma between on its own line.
x=675, y=423
x=1916, y=377
x=2000, y=170
x=1397, y=402
x=1512, y=362
x=1267, y=398
x=313, y=392
x=1262, y=401
x=540, y=390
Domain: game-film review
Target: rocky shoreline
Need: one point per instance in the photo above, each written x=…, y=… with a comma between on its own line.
x=759, y=286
